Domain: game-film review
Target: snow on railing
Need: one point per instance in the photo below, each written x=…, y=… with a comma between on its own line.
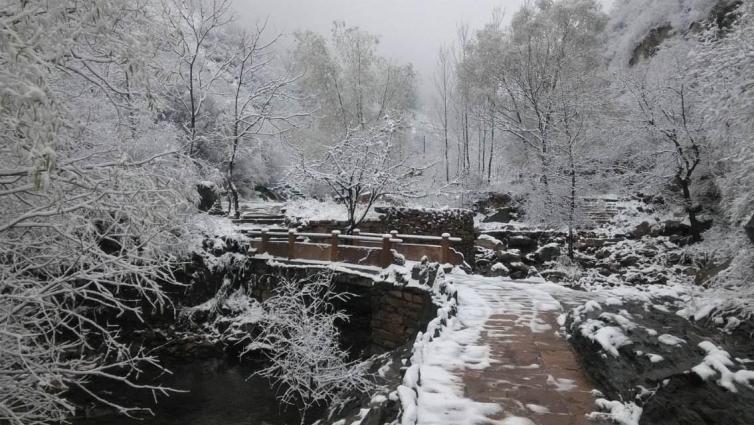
x=359, y=248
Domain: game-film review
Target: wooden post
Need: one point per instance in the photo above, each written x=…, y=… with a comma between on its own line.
x=386, y=255
x=356, y=233
x=291, y=244
x=445, y=248
x=334, y=245
x=263, y=246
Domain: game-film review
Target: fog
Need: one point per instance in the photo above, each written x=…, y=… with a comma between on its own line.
x=410, y=30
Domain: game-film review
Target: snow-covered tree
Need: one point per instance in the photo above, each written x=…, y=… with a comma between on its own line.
x=443, y=81
x=192, y=28
x=92, y=199
x=348, y=85
x=257, y=93
x=545, y=48
x=539, y=90
x=718, y=67
x=362, y=169
x=669, y=111
x=478, y=78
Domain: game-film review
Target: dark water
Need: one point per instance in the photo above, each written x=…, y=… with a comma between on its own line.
x=218, y=394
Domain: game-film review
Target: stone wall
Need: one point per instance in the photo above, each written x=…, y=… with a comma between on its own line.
x=398, y=313
x=433, y=222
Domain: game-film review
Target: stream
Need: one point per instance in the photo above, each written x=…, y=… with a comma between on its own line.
x=218, y=393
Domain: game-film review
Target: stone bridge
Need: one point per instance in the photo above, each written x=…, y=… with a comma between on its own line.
x=384, y=314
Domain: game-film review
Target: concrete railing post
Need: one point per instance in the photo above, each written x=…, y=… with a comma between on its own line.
x=291, y=244
x=264, y=245
x=445, y=248
x=334, y=245
x=386, y=255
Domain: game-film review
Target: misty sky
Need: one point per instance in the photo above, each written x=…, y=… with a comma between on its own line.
x=409, y=30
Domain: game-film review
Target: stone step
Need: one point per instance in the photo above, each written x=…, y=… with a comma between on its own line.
x=258, y=221
x=246, y=230
x=262, y=216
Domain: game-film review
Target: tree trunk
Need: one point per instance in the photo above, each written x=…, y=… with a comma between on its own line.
x=492, y=147
x=696, y=227
x=572, y=209
x=466, y=141
x=480, y=158
x=193, y=110
x=447, y=147
x=232, y=197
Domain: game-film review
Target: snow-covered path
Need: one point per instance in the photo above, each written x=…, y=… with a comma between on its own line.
x=518, y=361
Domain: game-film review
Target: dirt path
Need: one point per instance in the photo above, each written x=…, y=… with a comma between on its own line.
x=534, y=375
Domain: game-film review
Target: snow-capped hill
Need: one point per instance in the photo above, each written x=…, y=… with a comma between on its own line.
x=637, y=28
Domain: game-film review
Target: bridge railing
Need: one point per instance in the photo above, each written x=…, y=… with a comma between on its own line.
x=359, y=248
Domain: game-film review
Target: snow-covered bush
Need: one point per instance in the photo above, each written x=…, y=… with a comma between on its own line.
x=299, y=336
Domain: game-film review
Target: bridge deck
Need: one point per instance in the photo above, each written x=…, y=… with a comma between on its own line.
x=533, y=373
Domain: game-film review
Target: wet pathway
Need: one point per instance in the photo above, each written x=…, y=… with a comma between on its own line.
x=534, y=375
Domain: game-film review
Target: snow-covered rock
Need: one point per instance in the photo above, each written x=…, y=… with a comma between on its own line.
x=548, y=252
x=489, y=242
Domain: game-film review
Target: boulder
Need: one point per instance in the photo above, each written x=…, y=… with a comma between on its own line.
x=549, y=252
x=554, y=275
x=749, y=228
x=705, y=223
x=533, y=272
x=208, y=195
x=643, y=229
x=488, y=242
x=680, y=240
x=523, y=243
x=586, y=262
x=602, y=253
x=502, y=215
x=509, y=256
x=674, y=258
x=217, y=208
x=519, y=270
x=266, y=194
x=493, y=201
x=648, y=251
x=675, y=228
x=629, y=260
x=499, y=269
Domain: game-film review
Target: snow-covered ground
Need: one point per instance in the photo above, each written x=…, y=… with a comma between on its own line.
x=312, y=210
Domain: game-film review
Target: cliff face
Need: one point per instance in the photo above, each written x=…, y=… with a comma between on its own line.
x=638, y=28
